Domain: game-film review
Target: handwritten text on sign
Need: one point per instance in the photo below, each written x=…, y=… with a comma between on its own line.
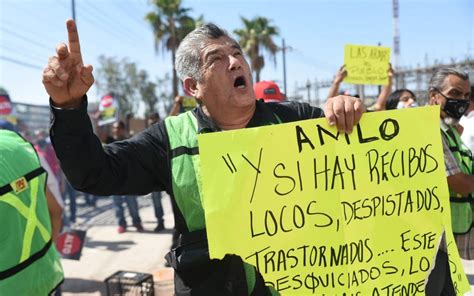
x=319, y=212
x=366, y=64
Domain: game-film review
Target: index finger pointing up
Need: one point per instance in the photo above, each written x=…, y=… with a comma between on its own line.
x=73, y=36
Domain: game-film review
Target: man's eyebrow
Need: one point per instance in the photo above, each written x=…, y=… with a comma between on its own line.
x=218, y=50
x=236, y=46
x=210, y=53
x=453, y=88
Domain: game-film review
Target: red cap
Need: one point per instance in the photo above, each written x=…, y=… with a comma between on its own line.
x=268, y=91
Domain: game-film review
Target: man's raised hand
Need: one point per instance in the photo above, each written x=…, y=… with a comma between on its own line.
x=65, y=78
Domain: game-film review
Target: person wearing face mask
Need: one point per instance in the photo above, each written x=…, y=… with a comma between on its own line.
x=401, y=98
x=449, y=88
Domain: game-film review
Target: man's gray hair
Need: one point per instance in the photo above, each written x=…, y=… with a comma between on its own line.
x=188, y=54
x=438, y=79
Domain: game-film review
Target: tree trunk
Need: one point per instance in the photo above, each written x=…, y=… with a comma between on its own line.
x=257, y=75
x=175, y=76
x=174, y=46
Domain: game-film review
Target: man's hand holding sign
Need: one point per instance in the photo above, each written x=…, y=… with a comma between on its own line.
x=330, y=213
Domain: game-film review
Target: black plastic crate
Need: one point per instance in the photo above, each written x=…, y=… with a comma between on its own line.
x=130, y=283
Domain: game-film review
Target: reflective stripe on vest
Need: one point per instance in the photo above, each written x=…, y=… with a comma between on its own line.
x=462, y=154
x=185, y=168
x=186, y=176
x=461, y=210
x=29, y=263
x=29, y=213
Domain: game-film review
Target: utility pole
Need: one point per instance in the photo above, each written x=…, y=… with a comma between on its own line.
x=73, y=4
x=283, y=48
x=316, y=92
x=308, y=88
x=379, y=88
x=396, y=40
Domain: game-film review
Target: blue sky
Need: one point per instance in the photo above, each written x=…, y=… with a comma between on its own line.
x=316, y=30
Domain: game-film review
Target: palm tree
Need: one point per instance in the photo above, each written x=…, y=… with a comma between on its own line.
x=255, y=38
x=170, y=24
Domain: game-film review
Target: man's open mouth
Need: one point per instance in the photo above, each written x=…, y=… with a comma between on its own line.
x=239, y=82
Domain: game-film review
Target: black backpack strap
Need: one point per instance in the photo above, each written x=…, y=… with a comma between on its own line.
x=33, y=174
x=19, y=267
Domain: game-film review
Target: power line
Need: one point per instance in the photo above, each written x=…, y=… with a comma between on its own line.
x=36, y=16
x=20, y=63
x=91, y=19
x=311, y=61
x=25, y=39
x=64, y=5
x=18, y=52
x=145, y=3
x=104, y=17
x=24, y=29
x=139, y=21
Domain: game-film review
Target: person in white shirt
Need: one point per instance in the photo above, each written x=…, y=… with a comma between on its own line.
x=467, y=122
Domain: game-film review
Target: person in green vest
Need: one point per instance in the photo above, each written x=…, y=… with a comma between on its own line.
x=29, y=261
x=213, y=69
x=450, y=89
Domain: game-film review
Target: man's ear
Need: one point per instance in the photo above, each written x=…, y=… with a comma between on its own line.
x=190, y=87
x=432, y=97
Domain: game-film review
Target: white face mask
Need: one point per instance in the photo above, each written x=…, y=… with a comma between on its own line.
x=402, y=105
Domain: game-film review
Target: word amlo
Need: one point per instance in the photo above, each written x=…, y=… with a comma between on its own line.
x=388, y=129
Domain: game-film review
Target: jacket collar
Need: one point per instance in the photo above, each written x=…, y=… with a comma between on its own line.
x=263, y=115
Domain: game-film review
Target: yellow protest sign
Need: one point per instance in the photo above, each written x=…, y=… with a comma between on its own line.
x=366, y=64
x=321, y=213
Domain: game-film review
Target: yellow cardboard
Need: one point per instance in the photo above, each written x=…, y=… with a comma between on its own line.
x=366, y=64
x=321, y=213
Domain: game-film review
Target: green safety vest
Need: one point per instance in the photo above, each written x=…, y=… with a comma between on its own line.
x=29, y=262
x=461, y=209
x=186, y=176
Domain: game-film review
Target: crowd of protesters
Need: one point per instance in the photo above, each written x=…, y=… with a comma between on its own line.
x=162, y=157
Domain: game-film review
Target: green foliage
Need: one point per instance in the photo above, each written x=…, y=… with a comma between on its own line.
x=147, y=90
x=127, y=83
x=256, y=38
x=165, y=95
x=3, y=91
x=170, y=23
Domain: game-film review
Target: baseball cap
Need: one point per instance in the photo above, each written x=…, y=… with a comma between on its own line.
x=268, y=91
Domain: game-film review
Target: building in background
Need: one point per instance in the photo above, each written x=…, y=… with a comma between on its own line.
x=31, y=117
